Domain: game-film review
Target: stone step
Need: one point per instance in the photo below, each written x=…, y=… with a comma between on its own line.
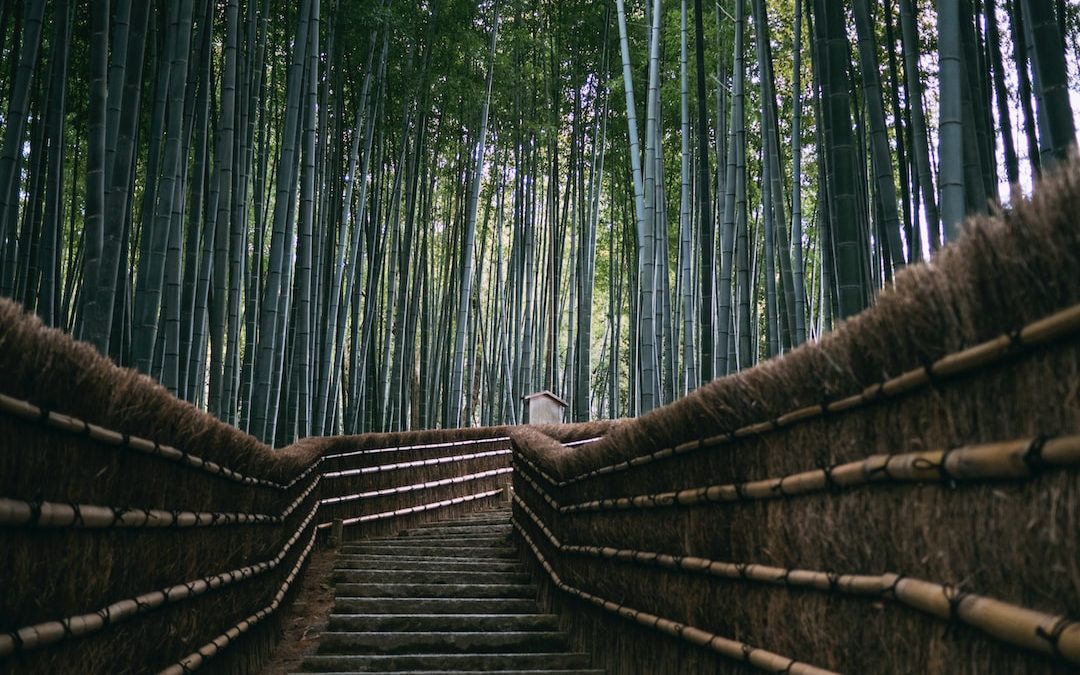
x=417, y=563
x=442, y=642
x=380, y=590
x=452, y=541
x=443, y=622
x=352, y=605
x=454, y=529
x=468, y=552
x=446, y=662
x=405, y=576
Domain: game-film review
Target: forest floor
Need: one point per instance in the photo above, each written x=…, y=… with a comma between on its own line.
x=307, y=616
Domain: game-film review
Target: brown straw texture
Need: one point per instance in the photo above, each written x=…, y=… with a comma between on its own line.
x=927, y=446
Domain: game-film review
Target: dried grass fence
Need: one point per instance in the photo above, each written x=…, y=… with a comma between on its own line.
x=138, y=535
x=902, y=497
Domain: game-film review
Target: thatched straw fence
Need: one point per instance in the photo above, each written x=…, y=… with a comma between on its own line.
x=139, y=535
x=902, y=497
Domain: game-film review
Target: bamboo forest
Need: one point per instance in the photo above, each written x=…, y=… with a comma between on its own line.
x=318, y=217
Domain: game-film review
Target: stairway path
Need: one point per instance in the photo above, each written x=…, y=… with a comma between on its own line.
x=446, y=597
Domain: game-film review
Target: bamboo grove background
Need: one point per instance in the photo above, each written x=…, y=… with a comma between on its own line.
x=338, y=216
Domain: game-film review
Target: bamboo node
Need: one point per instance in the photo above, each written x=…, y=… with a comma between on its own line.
x=1053, y=636
x=954, y=595
x=890, y=591
x=827, y=471
x=1033, y=455
x=747, y=650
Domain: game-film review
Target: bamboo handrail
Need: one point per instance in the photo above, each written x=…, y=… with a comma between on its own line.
x=209, y=650
x=1022, y=627
x=418, y=486
x=19, y=513
x=28, y=411
x=418, y=462
x=1015, y=459
x=733, y=649
x=49, y=632
x=414, y=509
x=1061, y=324
x=420, y=446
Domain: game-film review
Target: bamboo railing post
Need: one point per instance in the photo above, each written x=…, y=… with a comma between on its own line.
x=337, y=531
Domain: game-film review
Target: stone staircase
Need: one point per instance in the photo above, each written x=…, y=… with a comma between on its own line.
x=447, y=597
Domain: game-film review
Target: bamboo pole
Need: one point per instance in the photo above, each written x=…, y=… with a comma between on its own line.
x=733, y=649
x=1030, y=629
x=413, y=509
x=1015, y=459
x=211, y=649
x=1062, y=324
x=419, y=462
x=422, y=446
x=29, y=411
x=370, y=494
x=15, y=513
x=39, y=635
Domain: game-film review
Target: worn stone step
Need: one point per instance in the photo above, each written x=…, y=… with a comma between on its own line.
x=402, y=576
x=469, y=552
x=380, y=590
x=454, y=529
x=353, y=605
x=417, y=563
x=442, y=642
x=446, y=662
x=452, y=541
x=443, y=622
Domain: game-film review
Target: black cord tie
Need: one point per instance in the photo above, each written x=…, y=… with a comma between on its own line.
x=747, y=650
x=1016, y=339
x=883, y=469
x=1033, y=456
x=830, y=482
x=932, y=378
x=740, y=491
x=954, y=596
x=43, y=415
x=17, y=639
x=891, y=590
x=825, y=401
x=786, y=670
x=742, y=568
x=946, y=476
x=77, y=521
x=778, y=488
x=35, y=511
x=834, y=581
x=1053, y=636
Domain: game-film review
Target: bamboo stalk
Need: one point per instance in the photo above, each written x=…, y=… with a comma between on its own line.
x=211, y=649
x=1051, y=634
x=14, y=513
x=733, y=649
x=39, y=635
x=1065, y=323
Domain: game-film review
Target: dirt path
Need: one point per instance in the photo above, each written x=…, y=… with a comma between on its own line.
x=307, y=617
